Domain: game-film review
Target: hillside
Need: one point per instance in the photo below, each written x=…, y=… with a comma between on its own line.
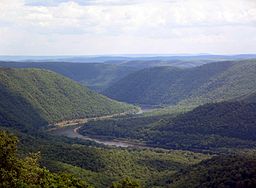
x=230, y=122
x=207, y=127
x=237, y=170
x=100, y=166
x=169, y=86
x=16, y=171
x=96, y=76
x=34, y=96
x=236, y=82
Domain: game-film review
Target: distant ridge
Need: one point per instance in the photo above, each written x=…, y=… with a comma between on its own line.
x=122, y=57
x=212, y=82
x=96, y=76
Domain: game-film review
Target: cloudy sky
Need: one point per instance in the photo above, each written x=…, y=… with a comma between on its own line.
x=88, y=27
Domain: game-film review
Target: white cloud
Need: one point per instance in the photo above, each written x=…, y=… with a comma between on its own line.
x=203, y=24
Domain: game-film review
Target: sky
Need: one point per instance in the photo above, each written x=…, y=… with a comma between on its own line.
x=101, y=27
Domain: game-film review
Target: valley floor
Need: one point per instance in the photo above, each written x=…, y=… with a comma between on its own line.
x=70, y=129
x=72, y=132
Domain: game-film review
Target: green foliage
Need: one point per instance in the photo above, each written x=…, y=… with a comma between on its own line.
x=148, y=167
x=17, y=172
x=97, y=76
x=226, y=124
x=208, y=127
x=32, y=97
x=108, y=165
x=212, y=82
x=231, y=119
x=237, y=170
x=126, y=183
x=36, y=97
x=171, y=111
x=9, y=165
x=132, y=127
x=101, y=166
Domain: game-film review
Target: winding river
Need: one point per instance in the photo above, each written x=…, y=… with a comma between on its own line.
x=72, y=132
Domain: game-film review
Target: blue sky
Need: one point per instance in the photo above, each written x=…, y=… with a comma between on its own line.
x=92, y=27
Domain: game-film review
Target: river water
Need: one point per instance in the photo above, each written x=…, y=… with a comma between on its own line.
x=72, y=132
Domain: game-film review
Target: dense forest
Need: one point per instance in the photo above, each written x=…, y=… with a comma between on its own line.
x=97, y=166
x=75, y=163
x=207, y=138
x=236, y=170
x=34, y=97
x=26, y=172
x=212, y=82
x=127, y=94
x=210, y=126
x=96, y=76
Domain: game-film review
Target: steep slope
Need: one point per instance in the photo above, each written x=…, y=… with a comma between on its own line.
x=207, y=127
x=219, y=125
x=97, y=165
x=145, y=86
x=26, y=171
x=96, y=76
x=34, y=96
x=169, y=86
x=211, y=126
x=236, y=82
x=237, y=170
x=230, y=119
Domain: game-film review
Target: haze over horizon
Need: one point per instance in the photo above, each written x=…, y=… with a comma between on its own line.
x=116, y=27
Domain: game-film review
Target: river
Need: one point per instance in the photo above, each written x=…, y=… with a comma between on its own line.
x=72, y=132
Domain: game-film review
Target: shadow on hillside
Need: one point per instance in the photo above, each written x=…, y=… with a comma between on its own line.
x=16, y=111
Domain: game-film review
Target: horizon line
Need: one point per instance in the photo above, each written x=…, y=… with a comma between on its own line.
x=131, y=54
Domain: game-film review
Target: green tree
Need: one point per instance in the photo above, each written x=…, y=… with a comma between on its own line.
x=16, y=172
x=9, y=165
x=126, y=183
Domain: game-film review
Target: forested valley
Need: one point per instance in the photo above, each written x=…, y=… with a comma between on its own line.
x=182, y=126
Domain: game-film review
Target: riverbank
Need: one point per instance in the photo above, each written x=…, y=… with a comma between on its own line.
x=73, y=122
x=72, y=132
x=70, y=129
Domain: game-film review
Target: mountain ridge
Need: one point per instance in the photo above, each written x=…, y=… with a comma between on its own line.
x=198, y=85
x=50, y=96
